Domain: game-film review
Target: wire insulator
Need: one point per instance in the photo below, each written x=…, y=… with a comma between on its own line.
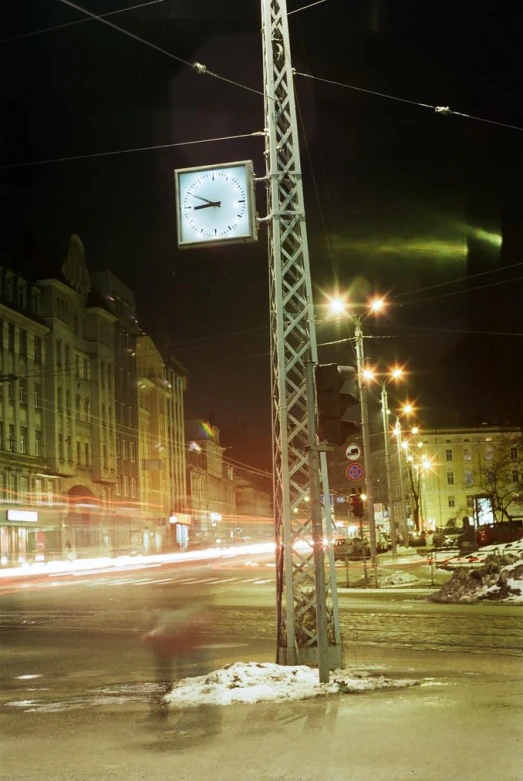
x=199, y=68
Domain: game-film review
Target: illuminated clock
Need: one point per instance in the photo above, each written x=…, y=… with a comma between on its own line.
x=215, y=204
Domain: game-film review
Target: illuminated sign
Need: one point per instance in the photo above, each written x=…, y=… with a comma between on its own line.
x=22, y=515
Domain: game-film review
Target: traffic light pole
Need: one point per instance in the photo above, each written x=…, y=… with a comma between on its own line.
x=317, y=533
x=385, y=419
x=360, y=358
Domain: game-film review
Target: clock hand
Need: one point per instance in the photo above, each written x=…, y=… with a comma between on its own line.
x=200, y=198
x=207, y=205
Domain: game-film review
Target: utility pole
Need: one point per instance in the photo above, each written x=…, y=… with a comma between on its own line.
x=302, y=599
x=385, y=419
x=403, y=515
x=367, y=457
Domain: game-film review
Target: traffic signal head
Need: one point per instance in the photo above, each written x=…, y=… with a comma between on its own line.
x=356, y=505
x=335, y=395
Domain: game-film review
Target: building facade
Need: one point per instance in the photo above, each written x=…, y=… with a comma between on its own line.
x=451, y=472
x=161, y=386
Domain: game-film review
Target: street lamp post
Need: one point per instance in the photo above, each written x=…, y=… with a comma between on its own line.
x=385, y=421
x=367, y=457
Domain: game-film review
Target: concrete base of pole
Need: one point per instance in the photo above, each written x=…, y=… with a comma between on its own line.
x=309, y=656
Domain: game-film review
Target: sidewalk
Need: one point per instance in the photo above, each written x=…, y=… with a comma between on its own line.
x=442, y=729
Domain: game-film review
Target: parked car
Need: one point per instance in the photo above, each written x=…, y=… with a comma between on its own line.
x=446, y=536
x=355, y=548
x=499, y=533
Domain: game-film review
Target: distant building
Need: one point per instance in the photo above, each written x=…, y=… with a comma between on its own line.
x=450, y=469
x=161, y=386
x=210, y=484
x=119, y=300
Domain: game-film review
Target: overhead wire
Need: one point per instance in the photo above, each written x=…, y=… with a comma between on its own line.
x=304, y=7
x=455, y=281
x=196, y=66
x=77, y=21
x=442, y=110
x=128, y=151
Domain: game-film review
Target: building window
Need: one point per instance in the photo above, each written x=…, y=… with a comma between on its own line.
x=8, y=287
x=78, y=452
x=38, y=443
x=104, y=451
x=37, y=395
x=452, y=501
x=11, y=440
x=116, y=411
x=77, y=407
x=469, y=477
x=87, y=410
x=118, y=486
x=86, y=369
x=22, y=391
x=21, y=295
x=118, y=447
x=124, y=411
x=467, y=455
x=23, y=439
x=11, y=337
x=23, y=343
x=133, y=487
x=11, y=392
x=86, y=452
x=61, y=447
x=35, y=302
x=68, y=402
x=488, y=452
x=132, y=451
x=76, y=365
x=515, y=477
x=38, y=349
x=125, y=486
x=514, y=453
x=450, y=478
x=13, y=487
x=39, y=490
x=24, y=489
x=125, y=450
x=67, y=357
x=448, y=455
x=59, y=400
x=58, y=352
x=131, y=416
x=75, y=323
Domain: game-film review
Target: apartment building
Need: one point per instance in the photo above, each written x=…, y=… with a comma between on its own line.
x=161, y=387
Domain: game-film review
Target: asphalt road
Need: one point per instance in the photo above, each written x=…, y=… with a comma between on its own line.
x=71, y=657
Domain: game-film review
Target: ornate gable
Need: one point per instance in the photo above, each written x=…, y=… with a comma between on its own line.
x=74, y=267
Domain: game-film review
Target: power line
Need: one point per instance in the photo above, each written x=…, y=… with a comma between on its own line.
x=78, y=21
x=128, y=151
x=455, y=281
x=465, y=290
x=304, y=7
x=196, y=66
x=443, y=110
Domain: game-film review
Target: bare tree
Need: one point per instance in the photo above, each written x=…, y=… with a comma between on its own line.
x=501, y=476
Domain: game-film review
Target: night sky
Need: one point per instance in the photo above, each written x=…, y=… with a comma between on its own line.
x=398, y=197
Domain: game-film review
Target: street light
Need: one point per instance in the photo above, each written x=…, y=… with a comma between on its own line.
x=340, y=306
x=393, y=374
x=406, y=409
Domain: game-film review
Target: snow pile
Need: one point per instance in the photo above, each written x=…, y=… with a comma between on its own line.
x=398, y=578
x=250, y=682
x=495, y=581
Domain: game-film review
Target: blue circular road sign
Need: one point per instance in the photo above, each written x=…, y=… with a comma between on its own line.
x=355, y=472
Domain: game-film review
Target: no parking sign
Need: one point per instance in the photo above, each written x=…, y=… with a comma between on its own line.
x=355, y=472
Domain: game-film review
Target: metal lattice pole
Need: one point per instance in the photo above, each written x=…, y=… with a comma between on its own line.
x=293, y=343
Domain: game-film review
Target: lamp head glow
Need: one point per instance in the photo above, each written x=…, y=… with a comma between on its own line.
x=407, y=408
x=397, y=373
x=337, y=306
x=377, y=305
x=368, y=374
x=415, y=429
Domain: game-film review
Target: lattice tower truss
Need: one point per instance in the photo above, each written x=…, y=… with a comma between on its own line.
x=293, y=343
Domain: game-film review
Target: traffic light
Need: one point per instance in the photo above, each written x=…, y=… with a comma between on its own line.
x=356, y=505
x=335, y=395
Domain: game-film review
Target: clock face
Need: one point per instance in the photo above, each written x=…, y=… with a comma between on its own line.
x=215, y=205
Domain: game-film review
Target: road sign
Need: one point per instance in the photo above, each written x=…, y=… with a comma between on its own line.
x=353, y=452
x=355, y=472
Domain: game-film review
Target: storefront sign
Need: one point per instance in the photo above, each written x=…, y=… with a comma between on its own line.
x=22, y=515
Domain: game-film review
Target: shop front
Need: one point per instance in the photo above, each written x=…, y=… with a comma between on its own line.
x=27, y=536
